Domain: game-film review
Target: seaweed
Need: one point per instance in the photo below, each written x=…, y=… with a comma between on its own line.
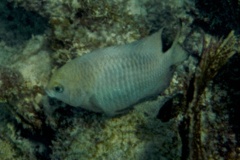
x=215, y=54
x=213, y=57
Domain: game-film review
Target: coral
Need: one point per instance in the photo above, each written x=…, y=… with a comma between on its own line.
x=213, y=57
x=9, y=79
x=7, y=151
x=21, y=83
x=199, y=122
x=6, y=53
x=13, y=145
x=76, y=29
x=132, y=136
x=81, y=26
x=21, y=91
x=207, y=103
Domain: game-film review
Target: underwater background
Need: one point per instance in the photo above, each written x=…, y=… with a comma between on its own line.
x=199, y=112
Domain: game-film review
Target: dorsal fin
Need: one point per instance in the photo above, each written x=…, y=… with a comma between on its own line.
x=152, y=43
x=176, y=52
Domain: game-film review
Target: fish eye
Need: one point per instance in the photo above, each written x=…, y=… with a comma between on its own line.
x=58, y=89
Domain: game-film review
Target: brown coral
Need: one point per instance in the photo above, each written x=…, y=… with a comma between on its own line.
x=200, y=115
x=214, y=56
x=10, y=83
x=15, y=94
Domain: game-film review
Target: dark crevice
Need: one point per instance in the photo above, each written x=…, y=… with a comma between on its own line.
x=184, y=132
x=41, y=139
x=18, y=25
x=229, y=76
x=164, y=113
x=218, y=17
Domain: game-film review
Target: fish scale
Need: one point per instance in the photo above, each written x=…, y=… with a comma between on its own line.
x=122, y=72
x=112, y=79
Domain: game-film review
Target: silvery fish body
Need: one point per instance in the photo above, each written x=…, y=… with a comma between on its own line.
x=111, y=79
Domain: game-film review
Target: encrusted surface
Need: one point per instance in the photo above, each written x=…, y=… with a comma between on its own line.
x=203, y=125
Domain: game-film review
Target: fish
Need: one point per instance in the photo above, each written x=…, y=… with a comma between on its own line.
x=113, y=79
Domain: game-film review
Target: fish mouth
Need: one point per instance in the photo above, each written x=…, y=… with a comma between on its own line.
x=49, y=93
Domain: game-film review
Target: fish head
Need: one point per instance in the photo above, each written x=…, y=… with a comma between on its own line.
x=59, y=86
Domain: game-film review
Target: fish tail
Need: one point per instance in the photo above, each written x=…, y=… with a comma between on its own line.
x=178, y=54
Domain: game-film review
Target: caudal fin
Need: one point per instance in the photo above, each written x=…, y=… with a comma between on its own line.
x=178, y=54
